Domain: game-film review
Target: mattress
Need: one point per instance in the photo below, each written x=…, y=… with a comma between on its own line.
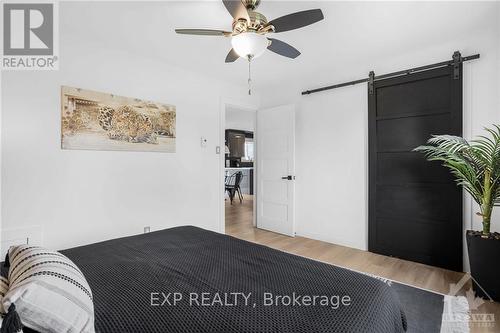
x=187, y=279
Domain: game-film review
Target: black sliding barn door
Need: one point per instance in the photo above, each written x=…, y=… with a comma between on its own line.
x=415, y=207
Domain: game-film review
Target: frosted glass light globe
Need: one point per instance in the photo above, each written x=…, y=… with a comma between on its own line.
x=249, y=44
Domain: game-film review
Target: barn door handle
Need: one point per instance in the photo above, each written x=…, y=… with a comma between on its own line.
x=289, y=177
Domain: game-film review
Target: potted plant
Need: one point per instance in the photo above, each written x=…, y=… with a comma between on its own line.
x=476, y=167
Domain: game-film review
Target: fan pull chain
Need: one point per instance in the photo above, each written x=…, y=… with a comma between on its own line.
x=249, y=76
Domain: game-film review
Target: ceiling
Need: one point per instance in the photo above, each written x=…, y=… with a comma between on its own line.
x=352, y=33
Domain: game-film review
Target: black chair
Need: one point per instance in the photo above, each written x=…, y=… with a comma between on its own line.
x=233, y=183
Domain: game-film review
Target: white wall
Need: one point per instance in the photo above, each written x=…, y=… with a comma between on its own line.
x=332, y=129
x=65, y=198
x=240, y=119
x=330, y=167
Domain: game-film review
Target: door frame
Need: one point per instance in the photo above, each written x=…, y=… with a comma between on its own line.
x=224, y=103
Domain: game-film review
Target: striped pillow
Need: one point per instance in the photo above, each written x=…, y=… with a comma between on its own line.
x=4, y=286
x=48, y=290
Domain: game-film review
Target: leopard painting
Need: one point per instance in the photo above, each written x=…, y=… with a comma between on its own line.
x=126, y=124
x=102, y=121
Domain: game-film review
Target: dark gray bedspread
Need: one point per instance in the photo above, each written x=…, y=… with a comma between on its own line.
x=124, y=272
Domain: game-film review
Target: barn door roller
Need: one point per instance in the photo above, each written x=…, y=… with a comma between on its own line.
x=457, y=60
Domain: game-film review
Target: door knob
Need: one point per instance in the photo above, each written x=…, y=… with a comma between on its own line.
x=289, y=177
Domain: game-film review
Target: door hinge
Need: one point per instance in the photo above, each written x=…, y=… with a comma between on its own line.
x=371, y=79
x=457, y=60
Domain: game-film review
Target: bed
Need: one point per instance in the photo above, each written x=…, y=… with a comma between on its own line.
x=135, y=280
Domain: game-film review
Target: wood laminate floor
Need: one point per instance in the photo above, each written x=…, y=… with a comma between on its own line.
x=239, y=219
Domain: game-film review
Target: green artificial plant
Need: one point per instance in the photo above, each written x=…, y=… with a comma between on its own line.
x=475, y=166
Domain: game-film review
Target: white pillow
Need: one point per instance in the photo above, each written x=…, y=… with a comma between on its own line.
x=49, y=292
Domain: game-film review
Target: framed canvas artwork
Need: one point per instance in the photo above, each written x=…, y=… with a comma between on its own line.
x=100, y=121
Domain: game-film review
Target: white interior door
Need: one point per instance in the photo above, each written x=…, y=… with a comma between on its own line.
x=275, y=169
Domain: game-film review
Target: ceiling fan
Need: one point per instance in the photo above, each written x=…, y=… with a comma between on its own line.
x=248, y=38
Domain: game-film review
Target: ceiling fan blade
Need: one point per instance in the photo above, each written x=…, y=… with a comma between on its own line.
x=297, y=20
x=232, y=56
x=203, y=32
x=282, y=48
x=236, y=9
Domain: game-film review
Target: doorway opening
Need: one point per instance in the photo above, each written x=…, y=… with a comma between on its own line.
x=239, y=175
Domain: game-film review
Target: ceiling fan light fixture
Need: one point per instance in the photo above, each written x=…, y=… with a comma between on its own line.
x=249, y=44
x=249, y=30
